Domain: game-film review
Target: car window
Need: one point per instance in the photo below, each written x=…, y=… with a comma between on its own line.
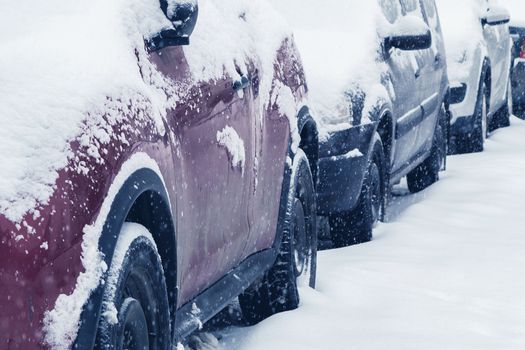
x=390, y=9
x=409, y=6
x=429, y=8
x=412, y=7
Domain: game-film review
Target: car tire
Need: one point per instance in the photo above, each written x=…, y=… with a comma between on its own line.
x=474, y=142
x=135, y=311
x=356, y=226
x=427, y=173
x=296, y=262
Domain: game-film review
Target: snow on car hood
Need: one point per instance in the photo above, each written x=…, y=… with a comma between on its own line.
x=61, y=60
x=64, y=60
x=463, y=34
x=517, y=11
x=338, y=42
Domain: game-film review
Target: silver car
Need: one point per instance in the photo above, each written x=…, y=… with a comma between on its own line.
x=478, y=47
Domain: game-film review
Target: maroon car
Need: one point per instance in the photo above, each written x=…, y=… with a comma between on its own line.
x=185, y=181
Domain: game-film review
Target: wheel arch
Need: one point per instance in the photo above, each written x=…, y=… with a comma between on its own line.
x=386, y=130
x=486, y=77
x=140, y=195
x=309, y=140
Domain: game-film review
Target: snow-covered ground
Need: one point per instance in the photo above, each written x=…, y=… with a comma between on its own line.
x=446, y=272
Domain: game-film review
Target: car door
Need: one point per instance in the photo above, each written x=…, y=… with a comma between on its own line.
x=211, y=134
x=498, y=42
x=432, y=67
x=405, y=105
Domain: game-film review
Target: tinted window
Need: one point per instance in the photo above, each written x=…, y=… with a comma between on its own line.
x=390, y=9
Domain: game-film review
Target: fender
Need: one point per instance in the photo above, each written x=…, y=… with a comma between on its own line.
x=307, y=127
x=304, y=118
x=382, y=113
x=139, y=182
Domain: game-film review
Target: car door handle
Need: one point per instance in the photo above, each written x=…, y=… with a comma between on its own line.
x=242, y=83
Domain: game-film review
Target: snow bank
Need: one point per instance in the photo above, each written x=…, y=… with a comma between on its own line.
x=338, y=42
x=444, y=273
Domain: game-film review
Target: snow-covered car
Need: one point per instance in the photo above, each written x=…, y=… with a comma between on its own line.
x=147, y=181
x=517, y=33
x=378, y=88
x=478, y=48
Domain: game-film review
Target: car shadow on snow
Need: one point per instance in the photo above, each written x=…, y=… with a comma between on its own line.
x=401, y=200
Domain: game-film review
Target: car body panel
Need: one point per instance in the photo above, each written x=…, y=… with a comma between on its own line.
x=222, y=213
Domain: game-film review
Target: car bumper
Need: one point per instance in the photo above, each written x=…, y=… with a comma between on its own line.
x=463, y=125
x=342, y=166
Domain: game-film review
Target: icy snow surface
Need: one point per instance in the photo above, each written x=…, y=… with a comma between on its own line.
x=445, y=272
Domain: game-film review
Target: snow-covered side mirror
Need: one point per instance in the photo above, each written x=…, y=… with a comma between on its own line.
x=409, y=33
x=183, y=15
x=496, y=15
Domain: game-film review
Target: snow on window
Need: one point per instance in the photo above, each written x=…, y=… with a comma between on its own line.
x=234, y=145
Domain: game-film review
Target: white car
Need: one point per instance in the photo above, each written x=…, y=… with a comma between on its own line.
x=478, y=47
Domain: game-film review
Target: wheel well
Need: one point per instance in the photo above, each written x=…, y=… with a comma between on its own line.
x=385, y=131
x=487, y=78
x=310, y=145
x=151, y=211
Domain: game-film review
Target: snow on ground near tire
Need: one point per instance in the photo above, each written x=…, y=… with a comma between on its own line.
x=445, y=273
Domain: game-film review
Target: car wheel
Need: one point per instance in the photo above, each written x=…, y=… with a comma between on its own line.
x=427, y=173
x=356, y=226
x=296, y=262
x=135, y=311
x=475, y=141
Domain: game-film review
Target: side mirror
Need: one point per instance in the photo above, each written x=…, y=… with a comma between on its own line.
x=409, y=42
x=409, y=33
x=496, y=15
x=183, y=15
